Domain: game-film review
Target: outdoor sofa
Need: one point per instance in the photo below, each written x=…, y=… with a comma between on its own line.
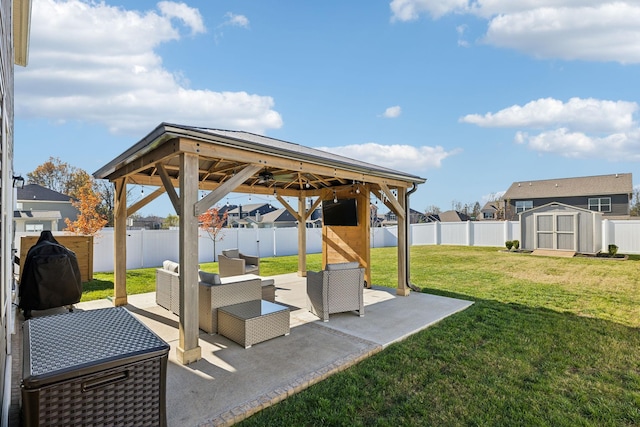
x=336, y=289
x=213, y=292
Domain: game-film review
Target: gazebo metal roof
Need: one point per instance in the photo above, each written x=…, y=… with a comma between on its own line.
x=287, y=166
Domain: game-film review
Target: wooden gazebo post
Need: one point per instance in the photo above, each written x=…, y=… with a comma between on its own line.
x=120, y=242
x=188, y=349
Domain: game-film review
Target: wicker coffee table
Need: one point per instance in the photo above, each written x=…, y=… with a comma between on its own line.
x=252, y=322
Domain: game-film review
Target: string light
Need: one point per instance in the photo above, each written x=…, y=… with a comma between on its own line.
x=142, y=192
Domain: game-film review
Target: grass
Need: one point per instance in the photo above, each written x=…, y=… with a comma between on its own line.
x=548, y=341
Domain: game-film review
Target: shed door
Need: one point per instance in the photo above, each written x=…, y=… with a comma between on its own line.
x=556, y=231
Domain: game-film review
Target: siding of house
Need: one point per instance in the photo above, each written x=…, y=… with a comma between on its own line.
x=6, y=193
x=619, y=203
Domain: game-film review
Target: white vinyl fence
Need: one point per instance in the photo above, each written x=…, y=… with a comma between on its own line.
x=148, y=248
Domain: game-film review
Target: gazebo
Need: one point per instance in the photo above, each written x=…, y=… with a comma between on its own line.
x=223, y=161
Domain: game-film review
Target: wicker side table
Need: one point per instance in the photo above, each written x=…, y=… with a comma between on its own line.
x=252, y=322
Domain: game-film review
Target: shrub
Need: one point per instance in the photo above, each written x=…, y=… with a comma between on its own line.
x=613, y=250
x=516, y=244
x=508, y=244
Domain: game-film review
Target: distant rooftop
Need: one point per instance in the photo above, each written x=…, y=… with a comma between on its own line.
x=619, y=183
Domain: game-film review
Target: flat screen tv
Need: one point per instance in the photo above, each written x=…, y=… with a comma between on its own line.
x=344, y=212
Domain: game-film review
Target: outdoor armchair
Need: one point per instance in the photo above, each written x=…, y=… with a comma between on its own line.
x=336, y=289
x=234, y=263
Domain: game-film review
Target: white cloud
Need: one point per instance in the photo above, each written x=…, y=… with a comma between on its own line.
x=579, y=128
x=96, y=63
x=392, y=112
x=410, y=10
x=593, y=30
x=397, y=156
x=587, y=114
x=190, y=16
x=236, y=20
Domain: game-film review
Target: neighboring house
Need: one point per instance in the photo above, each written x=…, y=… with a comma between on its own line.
x=415, y=217
x=492, y=211
x=608, y=194
x=247, y=215
x=39, y=208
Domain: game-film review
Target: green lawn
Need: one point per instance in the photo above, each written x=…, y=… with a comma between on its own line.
x=549, y=341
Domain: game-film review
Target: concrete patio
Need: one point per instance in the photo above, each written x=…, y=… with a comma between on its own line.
x=231, y=383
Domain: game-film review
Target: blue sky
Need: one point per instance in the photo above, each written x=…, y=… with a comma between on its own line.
x=471, y=95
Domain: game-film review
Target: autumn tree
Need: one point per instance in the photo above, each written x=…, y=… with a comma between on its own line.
x=89, y=221
x=212, y=222
x=59, y=176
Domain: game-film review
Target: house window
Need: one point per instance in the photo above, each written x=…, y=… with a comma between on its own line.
x=523, y=205
x=34, y=227
x=600, y=204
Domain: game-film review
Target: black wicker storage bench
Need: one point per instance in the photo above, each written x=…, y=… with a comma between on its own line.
x=93, y=368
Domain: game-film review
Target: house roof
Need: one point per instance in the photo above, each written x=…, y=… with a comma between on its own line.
x=452, y=216
x=491, y=206
x=619, y=183
x=32, y=192
x=247, y=208
x=278, y=215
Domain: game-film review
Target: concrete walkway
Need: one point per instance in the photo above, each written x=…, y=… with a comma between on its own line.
x=231, y=383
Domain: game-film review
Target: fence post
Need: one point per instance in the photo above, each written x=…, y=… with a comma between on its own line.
x=507, y=231
x=469, y=233
x=436, y=233
x=605, y=234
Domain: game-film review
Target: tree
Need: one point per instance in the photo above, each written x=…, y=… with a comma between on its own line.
x=634, y=208
x=212, y=222
x=433, y=209
x=89, y=221
x=170, y=221
x=107, y=197
x=59, y=176
x=476, y=214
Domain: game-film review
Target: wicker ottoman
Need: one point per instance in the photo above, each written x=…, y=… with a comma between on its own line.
x=98, y=367
x=252, y=322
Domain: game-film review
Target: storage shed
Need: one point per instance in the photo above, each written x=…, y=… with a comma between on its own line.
x=556, y=226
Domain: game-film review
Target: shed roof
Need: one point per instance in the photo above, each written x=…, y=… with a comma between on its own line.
x=619, y=183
